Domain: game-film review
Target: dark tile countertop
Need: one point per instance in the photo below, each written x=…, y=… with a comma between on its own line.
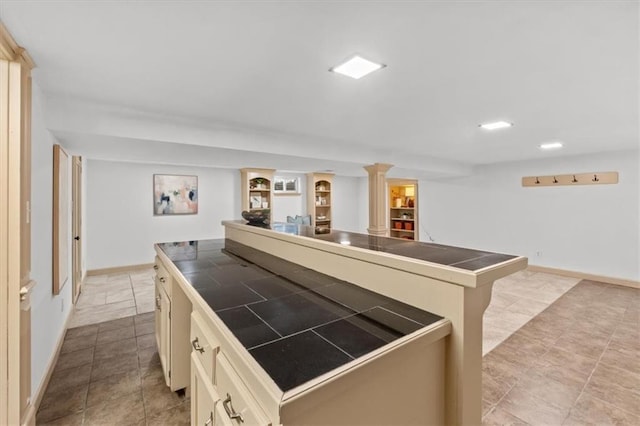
x=296, y=322
x=458, y=257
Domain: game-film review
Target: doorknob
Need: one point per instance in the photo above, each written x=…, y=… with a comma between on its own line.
x=26, y=289
x=76, y=238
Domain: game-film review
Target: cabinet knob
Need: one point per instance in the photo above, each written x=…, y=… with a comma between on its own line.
x=158, y=303
x=196, y=345
x=230, y=411
x=162, y=279
x=155, y=267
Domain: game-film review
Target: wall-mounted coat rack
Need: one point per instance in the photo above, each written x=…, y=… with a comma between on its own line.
x=595, y=178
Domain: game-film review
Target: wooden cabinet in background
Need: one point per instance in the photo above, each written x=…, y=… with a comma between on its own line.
x=403, y=209
x=319, y=200
x=257, y=189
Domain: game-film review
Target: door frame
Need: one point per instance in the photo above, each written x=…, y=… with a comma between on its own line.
x=15, y=248
x=76, y=218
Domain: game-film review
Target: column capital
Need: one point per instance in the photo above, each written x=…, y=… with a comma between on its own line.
x=378, y=168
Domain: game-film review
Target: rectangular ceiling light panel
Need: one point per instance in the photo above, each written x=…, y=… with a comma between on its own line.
x=496, y=125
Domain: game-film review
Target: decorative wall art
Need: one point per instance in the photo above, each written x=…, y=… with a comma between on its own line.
x=286, y=185
x=175, y=195
x=61, y=236
x=256, y=200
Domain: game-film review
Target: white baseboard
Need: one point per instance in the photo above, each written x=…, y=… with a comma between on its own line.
x=584, y=276
x=118, y=269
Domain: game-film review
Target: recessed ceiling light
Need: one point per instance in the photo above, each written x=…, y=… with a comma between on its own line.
x=551, y=145
x=357, y=67
x=496, y=125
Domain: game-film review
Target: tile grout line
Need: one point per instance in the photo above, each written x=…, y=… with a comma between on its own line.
x=524, y=373
x=513, y=386
x=591, y=375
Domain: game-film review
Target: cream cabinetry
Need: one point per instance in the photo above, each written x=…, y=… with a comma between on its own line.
x=403, y=209
x=163, y=337
x=228, y=386
x=203, y=395
x=319, y=200
x=257, y=189
x=172, y=328
x=218, y=393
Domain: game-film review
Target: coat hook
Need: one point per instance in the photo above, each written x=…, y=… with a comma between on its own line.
x=595, y=178
x=537, y=180
x=574, y=179
x=555, y=180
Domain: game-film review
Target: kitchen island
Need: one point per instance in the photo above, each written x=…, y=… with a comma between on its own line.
x=289, y=327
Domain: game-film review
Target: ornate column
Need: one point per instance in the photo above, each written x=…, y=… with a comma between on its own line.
x=377, y=199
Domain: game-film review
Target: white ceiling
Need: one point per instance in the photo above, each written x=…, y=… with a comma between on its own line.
x=563, y=70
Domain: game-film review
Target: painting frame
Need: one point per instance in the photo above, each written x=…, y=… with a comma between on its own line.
x=61, y=219
x=286, y=185
x=175, y=195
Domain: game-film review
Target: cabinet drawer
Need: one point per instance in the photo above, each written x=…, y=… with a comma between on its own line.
x=235, y=398
x=204, y=345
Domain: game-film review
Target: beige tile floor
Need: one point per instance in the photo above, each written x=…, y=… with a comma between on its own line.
x=113, y=296
x=575, y=363
x=110, y=374
x=518, y=298
x=557, y=351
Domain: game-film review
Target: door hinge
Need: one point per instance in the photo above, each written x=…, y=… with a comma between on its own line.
x=169, y=373
x=169, y=314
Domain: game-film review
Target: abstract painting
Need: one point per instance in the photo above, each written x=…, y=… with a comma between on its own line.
x=175, y=195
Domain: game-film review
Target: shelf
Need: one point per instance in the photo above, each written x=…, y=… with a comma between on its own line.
x=403, y=230
x=319, y=186
x=252, y=190
x=399, y=218
x=402, y=208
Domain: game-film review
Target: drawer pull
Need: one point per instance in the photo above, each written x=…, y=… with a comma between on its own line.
x=209, y=420
x=158, y=303
x=230, y=411
x=155, y=267
x=196, y=345
x=162, y=279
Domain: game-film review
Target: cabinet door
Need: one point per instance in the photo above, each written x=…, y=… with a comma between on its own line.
x=203, y=396
x=158, y=317
x=165, y=335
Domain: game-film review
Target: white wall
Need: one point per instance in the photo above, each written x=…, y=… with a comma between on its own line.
x=290, y=205
x=590, y=229
x=121, y=227
x=346, y=203
x=48, y=313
